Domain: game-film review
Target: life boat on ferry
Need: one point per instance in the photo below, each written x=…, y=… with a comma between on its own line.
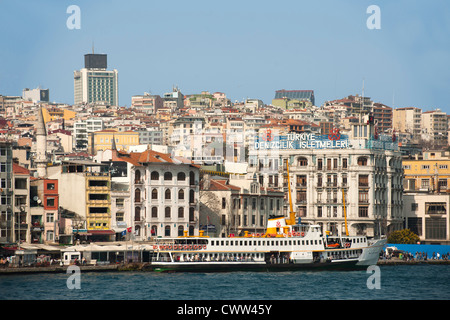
x=333, y=245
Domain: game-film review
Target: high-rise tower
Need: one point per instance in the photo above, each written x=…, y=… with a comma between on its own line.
x=94, y=83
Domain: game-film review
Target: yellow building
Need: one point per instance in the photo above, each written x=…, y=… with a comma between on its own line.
x=429, y=173
x=103, y=140
x=53, y=113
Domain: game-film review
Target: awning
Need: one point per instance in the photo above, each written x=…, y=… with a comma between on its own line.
x=101, y=232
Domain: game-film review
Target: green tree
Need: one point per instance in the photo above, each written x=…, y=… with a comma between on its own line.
x=404, y=236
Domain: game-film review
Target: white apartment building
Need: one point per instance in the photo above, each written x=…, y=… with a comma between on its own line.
x=435, y=126
x=81, y=130
x=340, y=182
x=164, y=195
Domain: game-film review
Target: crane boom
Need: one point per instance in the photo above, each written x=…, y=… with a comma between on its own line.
x=291, y=220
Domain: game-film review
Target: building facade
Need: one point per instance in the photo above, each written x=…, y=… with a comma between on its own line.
x=7, y=231
x=343, y=183
x=94, y=83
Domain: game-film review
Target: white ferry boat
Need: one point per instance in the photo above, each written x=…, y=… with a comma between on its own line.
x=283, y=247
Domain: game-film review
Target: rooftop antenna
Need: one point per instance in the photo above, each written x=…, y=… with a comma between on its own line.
x=92, y=47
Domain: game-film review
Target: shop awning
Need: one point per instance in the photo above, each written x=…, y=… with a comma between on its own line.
x=101, y=232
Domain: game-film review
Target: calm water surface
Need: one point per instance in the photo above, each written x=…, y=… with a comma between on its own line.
x=424, y=282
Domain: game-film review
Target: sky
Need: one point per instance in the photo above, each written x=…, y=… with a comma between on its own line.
x=246, y=48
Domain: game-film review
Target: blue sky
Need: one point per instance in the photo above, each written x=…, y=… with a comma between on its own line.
x=246, y=49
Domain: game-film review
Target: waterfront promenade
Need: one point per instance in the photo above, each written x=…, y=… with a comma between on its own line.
x=141, y=266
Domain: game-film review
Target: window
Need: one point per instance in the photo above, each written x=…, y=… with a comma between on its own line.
x=435, y=208
x=425, y=183
x=302, y=162
x=167, y=212
x=426, y=166
x=181, y=194
x=344, y=163
x=180, y=212
x=414, y=206
x=363, y=212
x=224, y=203
x=50, y=186
x=167, y=194
x=154, y=175
x=50, y=217
x=154, y=194
x=168, y=176
x=181, y=176
x=154, y=212
x=50, y=202
x=319, y=164
x=362, y=161
x=435, y=228
x=363, y=180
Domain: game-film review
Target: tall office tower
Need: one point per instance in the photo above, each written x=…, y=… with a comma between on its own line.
x=94, y=83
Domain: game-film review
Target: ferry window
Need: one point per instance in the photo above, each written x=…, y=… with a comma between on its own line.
x=259, y=243
x=231, y=243
x=226, y=243
x=245, y=243
x=276, y=243
x=315, y=241
x=273, y=242
x=303, y=242
x=307, y=242
x=240, y=243
x=221, y=243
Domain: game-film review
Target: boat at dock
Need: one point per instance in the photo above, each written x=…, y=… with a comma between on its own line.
x=283, y=247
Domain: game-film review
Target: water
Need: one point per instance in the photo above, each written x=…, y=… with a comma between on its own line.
x=403, y=282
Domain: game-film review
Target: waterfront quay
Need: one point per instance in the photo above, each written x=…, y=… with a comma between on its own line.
x=142, y=267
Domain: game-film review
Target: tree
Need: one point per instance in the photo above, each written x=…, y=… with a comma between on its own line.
x=404, y=236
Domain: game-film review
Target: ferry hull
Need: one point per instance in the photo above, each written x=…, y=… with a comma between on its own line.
x=251, y=266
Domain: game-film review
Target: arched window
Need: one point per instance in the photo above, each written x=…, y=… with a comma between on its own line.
x=167, y=231
x=137, y=214
x=154, y=231
x=137, y=176
x=180, y=231
x=137, y=195
x=168, y=176
x=191, y=214
x=191, y=196
x=167, y=194
x=167, y=212
x=192, y=178
x=154, y=175
x=154, y=194
x=362, y=161
x=181, y=176
x=302, y=162
x=154, y=212
x=181, y=194
x=180, y=212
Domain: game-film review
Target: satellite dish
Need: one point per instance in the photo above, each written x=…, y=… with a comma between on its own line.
x=35, y=198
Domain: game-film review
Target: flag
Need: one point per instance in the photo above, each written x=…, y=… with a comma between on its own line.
x=129, y=229
x=124, y=232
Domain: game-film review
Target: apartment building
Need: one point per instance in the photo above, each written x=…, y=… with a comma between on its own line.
x=336, y=178
x=233, y=206
x=82, y=129
x=7, y=223
x=111, y=139
x=84, y=188
x=408, y=120
x=435, y=127
x=46, y=221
